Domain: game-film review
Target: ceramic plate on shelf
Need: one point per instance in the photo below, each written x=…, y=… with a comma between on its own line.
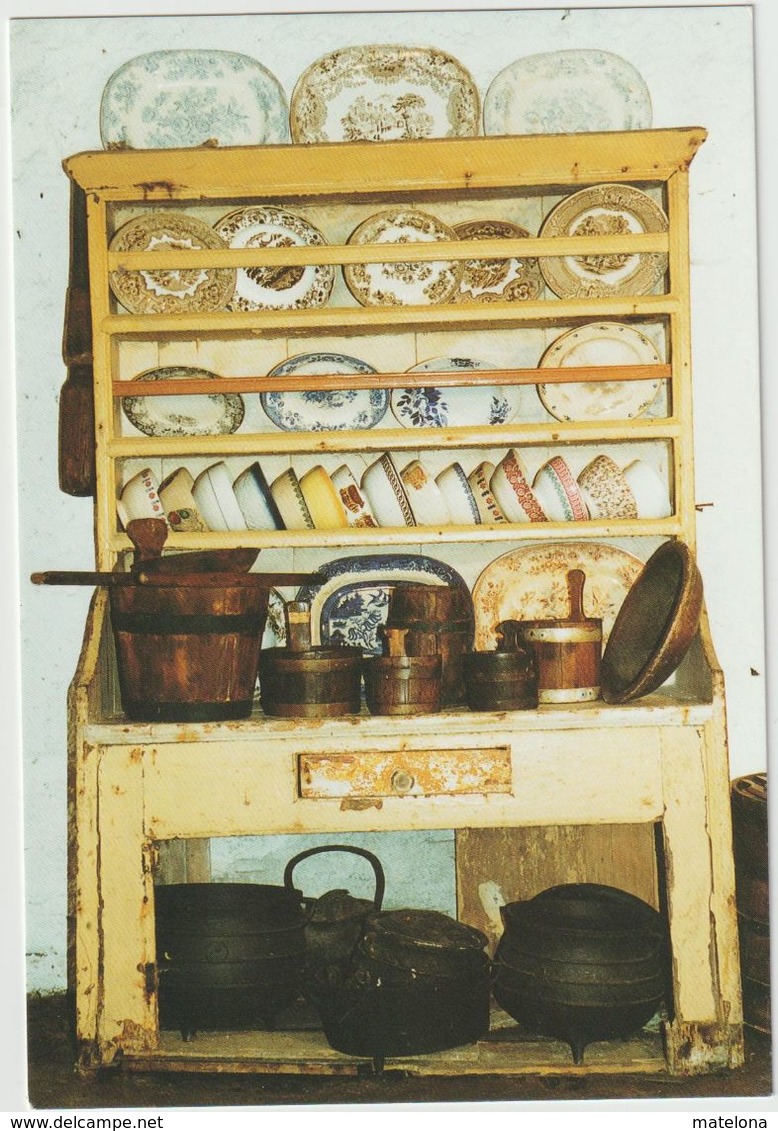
x=531, y=584
x=377, y=92
x=452, y=406
x=497, y=280
x=406, y=283
x=352, y=604
x=188, y=97
x=567, y=92
x=170, y=291
x=599, y=344
x=275, y=288
x=604, y=210
x=216, y=414
x=319, y=410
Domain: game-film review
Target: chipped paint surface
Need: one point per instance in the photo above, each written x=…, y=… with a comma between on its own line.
x=411, y=773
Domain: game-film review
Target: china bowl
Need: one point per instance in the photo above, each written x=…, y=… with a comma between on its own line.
x=255, y=500
x=289, y=499
x=459, y=497
x=488, y=507
x=322, y=499
x=355, y=505
x=175, y=493
x=558, y=493
x=386, y=494
x=605, y=491
x=215, y=499
x=425, y=496
x=140, y=497
x=651, y=495
x=510, y=485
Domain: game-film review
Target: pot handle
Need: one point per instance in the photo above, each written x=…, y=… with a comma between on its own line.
x=380, y=879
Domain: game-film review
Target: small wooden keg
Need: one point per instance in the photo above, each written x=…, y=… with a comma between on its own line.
x=749, y=839
x=398, y=684
x=501, y=681
x=440, y=621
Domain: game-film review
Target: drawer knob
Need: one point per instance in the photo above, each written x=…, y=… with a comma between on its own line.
x=402, y=781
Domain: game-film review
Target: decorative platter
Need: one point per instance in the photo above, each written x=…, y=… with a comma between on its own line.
x=608, y=209
x=178, y=291
x=216, y=414
x=599, y=344
x=531, y=584
x=497, y=280
x=453, y=406
x=275, y=288
x=317, y=410
x=383, y=93
x=182, y=98
x=406, y=283
x=352, y=604
x=567, y=92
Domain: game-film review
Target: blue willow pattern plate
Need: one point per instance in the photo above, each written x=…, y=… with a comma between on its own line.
x=352, y=604
x=321, y=410
x=183, y=98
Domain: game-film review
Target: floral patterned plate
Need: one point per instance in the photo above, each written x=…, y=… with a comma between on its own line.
x=599, y=211
x=183, y=98
x=567, y=92
x=216, y=414
x=497, y=280
x=531, y=584
x=382, y=93
x=176, y=291
x=404, y=283
x=452, y=406
x=352, y=604
x=319, y=410
x=275, y=288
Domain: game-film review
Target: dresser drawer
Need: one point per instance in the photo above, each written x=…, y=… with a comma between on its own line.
x=405, y=773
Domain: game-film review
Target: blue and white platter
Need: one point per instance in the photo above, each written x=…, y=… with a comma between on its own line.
x=453, y=406
x=187, y=97
x=352, y=604
x=321, y=410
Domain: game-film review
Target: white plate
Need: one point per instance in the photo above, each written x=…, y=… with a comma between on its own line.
x=531, y=584
x=497, y=280
x=406, y=283
x=187, y=97
x=599, y=344
x=376, y=92
x=216, y=414
x=318, y=410
x=275, y=288
x=169, y=291
x=567, y=92
x=602, y=210
x=452, y=406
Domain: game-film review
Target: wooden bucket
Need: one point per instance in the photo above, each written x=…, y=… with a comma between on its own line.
x=749, y=838
x=439, y=619
x=501, y=681
x=320, y=682
x=188, y=653
x=402, y=685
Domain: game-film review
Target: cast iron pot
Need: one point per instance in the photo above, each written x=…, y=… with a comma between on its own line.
x=581, y=962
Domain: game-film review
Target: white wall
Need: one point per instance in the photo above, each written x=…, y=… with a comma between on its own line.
x=698, y=66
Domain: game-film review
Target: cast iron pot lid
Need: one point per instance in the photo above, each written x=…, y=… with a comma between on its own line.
x=427, y=929
x=655, y=625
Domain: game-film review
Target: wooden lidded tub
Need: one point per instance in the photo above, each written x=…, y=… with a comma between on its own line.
x=398, y=684
x=440, y=621
x=504, y=680
x=305, y=681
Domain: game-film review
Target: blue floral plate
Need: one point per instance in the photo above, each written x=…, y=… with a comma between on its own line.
x=321, y=410
x=453, y=406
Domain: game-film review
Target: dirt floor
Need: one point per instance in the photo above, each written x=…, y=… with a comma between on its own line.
x=54, y=1084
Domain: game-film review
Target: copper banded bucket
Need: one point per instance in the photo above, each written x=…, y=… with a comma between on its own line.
x=439, y=619
x=188, y=653
x=321, y=682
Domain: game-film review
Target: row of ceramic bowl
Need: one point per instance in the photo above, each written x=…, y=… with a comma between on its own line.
x=386, y=497
x=598, y=210
x=370, y=92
